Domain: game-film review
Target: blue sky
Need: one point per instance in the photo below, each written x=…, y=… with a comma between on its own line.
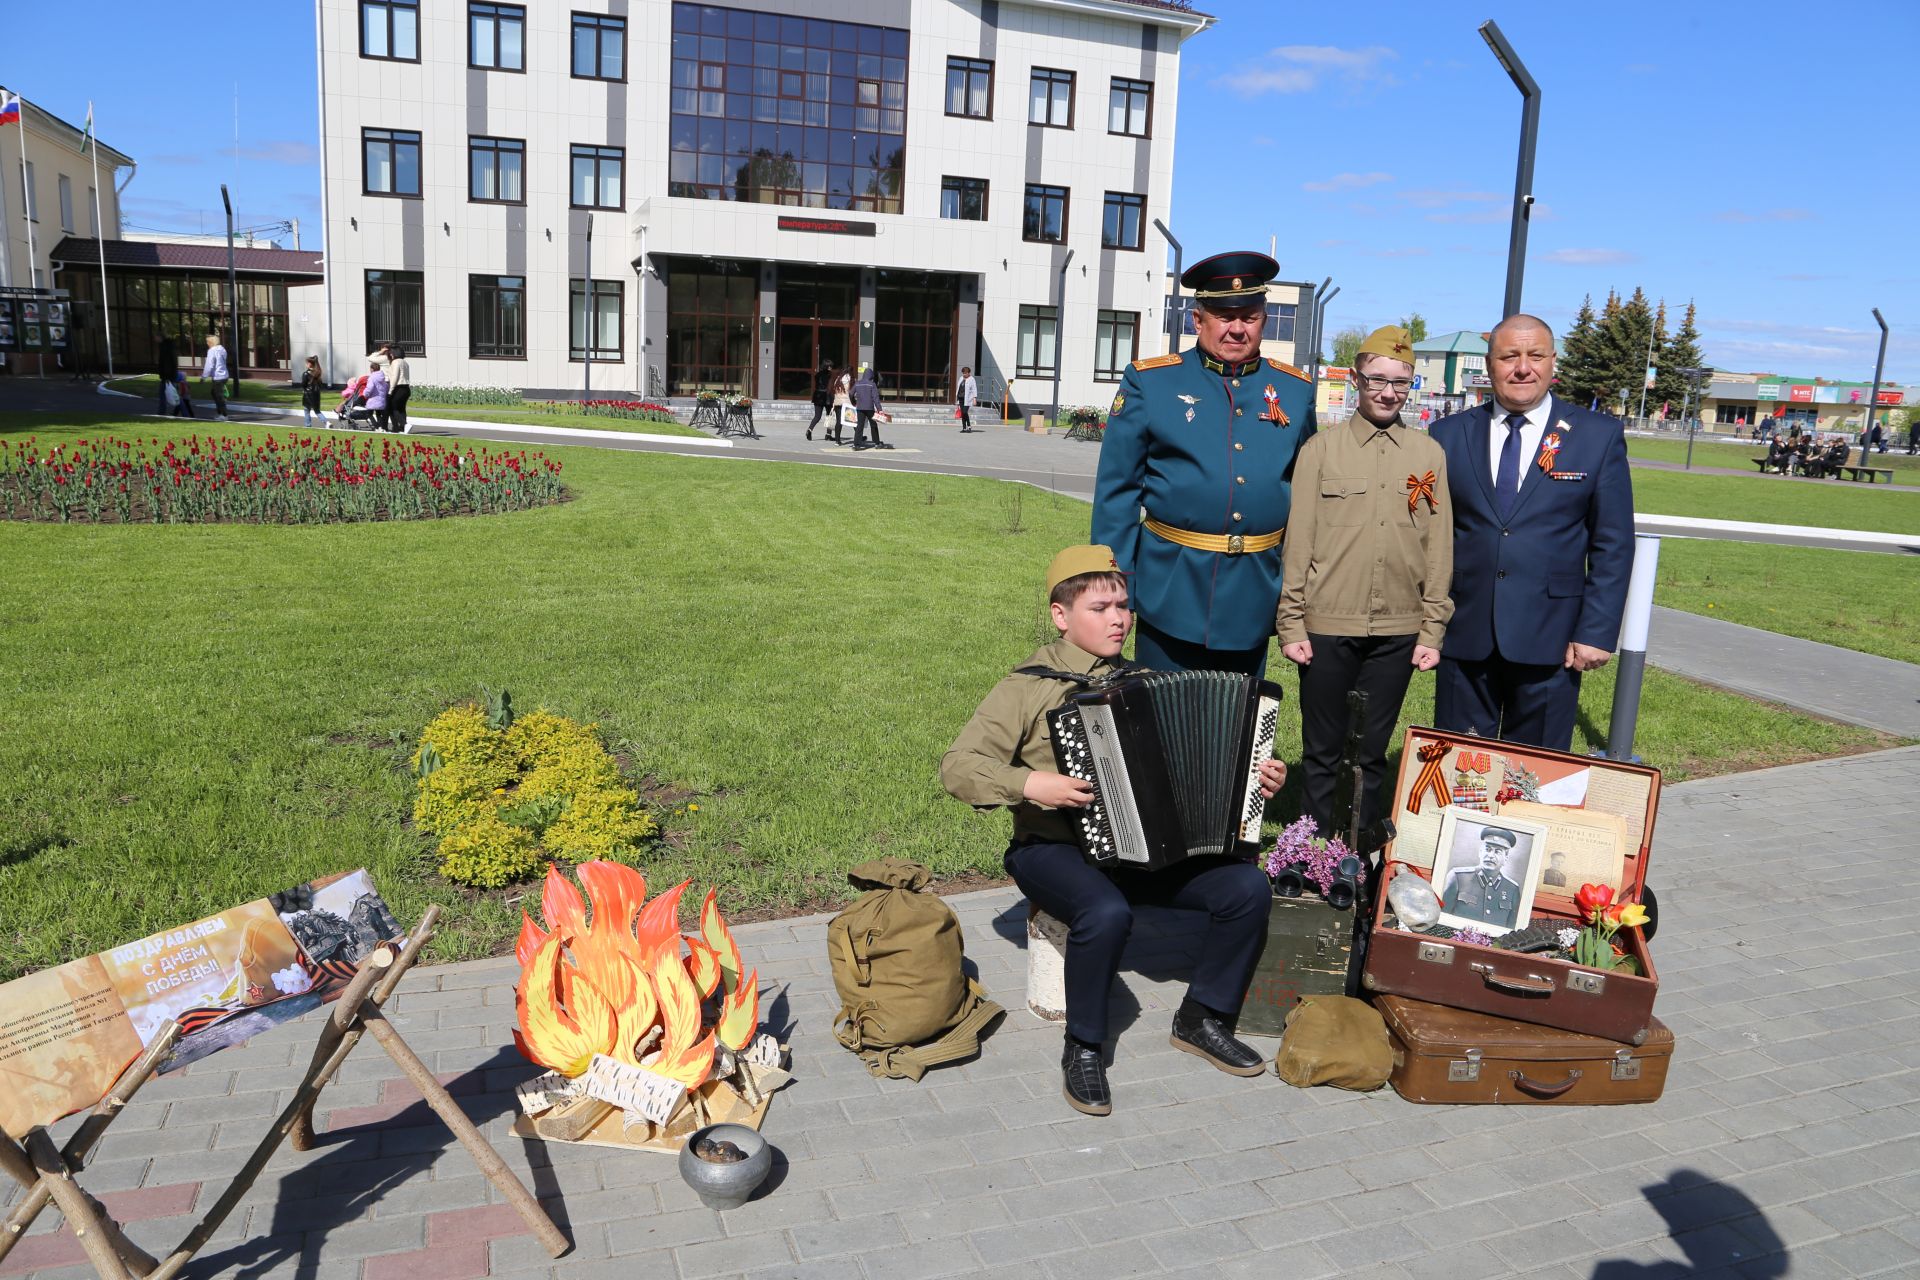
x=1757, y=158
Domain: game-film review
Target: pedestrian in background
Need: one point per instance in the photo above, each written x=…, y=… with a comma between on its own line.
x=399, y=387
x=866, y=404
x=822, y=395
x=167, y=366
x=842, y=402
x=968, y=397
x=310, y=382
x=214, y=370
x=375, y=393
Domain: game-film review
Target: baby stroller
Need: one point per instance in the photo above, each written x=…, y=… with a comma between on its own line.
x=353, y=412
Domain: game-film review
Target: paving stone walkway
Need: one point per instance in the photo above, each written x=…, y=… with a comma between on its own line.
x=1785, y=1143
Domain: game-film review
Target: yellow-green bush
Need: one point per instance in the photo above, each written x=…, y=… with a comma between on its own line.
x=480, y=800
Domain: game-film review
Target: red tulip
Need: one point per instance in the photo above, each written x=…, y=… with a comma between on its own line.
x=1592, y=898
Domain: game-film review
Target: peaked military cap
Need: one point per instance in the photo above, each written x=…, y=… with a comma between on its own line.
x=1231, y=279
x=1500, y=836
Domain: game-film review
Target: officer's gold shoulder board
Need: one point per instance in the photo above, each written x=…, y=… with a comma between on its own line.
x=1158, y=362
x=1287, y=368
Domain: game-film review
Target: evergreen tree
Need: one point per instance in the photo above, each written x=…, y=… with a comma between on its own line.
x=1622, y=341
x=1669, y=388
x=1576, y=366
x=1682, y=351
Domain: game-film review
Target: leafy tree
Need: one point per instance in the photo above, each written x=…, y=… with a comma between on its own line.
x=1416, y=326
x=1346, y=345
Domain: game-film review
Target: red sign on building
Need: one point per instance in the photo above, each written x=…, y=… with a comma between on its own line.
x=1801, y=395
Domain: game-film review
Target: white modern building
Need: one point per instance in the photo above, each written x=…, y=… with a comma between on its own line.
x=725, y=196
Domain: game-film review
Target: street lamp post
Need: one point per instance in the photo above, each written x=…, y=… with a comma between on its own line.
x=233, y=300
x=1313, y=328
x=1879, y=367
x=1173, y=330
x=1059, y=325
x=1320, y=328
x=586, y=301
x=1690, y=403
x=1523, y=172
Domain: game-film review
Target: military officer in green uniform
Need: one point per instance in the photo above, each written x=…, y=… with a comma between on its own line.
x=1484, y=892
x=1193, y=490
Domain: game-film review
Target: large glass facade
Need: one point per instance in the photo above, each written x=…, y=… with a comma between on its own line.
x=787, y=110
x=710, y=319
x=148, y=308
x=913, y=337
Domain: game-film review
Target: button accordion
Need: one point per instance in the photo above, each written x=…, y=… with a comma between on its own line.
x=1174, y=758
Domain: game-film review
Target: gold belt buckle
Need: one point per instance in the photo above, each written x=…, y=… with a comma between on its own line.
x=1236, y=544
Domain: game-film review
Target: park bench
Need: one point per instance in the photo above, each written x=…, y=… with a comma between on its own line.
x=1763, y=464
x=1870, y=474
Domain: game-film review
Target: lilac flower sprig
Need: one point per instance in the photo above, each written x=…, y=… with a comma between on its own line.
x=1301, y=846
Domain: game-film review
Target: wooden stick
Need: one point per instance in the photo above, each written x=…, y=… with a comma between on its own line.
x=346, y=1017
x=81, y=1144
x=333, y=1048
x=78, y=1207
x=470, y=1137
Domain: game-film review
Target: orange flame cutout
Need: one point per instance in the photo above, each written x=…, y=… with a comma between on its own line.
x=560, y=904
x=720, y=938
x=531, y=936
x=636, y=1018
x=617, y=893
x=740, y=1013
x=703, y=966
x=658, y=932
x=681, y=1057
x=564, y=1020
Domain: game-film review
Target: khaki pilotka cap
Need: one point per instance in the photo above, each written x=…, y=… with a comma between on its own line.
x=1075, y=561
x=1391, y=341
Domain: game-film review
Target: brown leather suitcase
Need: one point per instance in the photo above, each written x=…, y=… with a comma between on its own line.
x=1451, y=1055
x=1508, y=984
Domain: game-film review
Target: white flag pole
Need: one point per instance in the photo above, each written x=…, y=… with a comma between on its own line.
x=27, y=205
x=100, y=238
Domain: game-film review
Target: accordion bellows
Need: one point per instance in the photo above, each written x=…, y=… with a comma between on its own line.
x=1174, y=759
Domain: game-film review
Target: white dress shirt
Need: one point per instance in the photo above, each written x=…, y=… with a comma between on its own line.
x=1530, y=435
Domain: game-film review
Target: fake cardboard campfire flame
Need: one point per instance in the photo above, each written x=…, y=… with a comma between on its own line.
x=615, y=982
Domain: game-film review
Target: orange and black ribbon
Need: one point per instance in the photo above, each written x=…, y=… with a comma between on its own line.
x=1431, y=754
x=1549, y=450
x=1419, y=487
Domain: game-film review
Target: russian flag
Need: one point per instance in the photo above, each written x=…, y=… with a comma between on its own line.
x=10, y=110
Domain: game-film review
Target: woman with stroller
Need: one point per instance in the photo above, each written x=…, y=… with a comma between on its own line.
x=310, y=383
x=375, y=393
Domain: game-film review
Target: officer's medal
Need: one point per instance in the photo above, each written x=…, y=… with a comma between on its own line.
x=1275, y=414
x=1191, y=401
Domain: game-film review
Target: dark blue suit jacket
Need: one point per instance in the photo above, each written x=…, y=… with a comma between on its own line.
x=1556, y=572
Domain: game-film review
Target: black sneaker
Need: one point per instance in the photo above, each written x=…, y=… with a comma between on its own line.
x=1205, y=1037
x=1085, y=1079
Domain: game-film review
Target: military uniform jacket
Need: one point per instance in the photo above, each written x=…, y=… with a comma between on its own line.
x=1369, y=549
x=1007, y=739
x=1209, y=450
x=1469, y=895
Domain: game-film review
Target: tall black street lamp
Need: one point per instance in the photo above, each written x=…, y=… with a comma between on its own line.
x=1523, y=172
x=1059, y=327
x=1879, y=367
x=589, y=325
x=233, y=301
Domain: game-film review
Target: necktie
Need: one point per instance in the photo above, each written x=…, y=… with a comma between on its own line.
x=1506, y=481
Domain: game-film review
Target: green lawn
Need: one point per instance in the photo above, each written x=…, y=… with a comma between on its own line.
x=200, y=715
x=1739, y=454
x=284, y=396
x=1854, y=599
x=1836, y=504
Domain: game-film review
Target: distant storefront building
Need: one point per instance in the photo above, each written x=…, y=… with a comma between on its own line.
x=1740, y=401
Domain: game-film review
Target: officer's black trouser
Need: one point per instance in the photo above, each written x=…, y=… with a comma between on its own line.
x=1532, y=703
x=1097, y=908
x=1380, y=667
x=1154, y=648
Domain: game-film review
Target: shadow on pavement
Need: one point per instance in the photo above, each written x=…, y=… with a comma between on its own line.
x=1718, y=1227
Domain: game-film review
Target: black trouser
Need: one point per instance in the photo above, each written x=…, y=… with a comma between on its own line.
x=1154, y=648
x=1097, y=908
x=1378, y=666
x=219, y=386
x=820, y=406
x=397, y=406
x=1527, y=702
x=966, y=418
x=862, y=423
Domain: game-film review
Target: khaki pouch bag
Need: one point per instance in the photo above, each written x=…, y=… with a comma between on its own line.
x=906, y=1003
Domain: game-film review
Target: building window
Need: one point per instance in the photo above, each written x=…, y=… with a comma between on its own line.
x=1050, y=98
x=390, y=29
x=596, y=320
x=497, y=317
x=970, y=88
x=496, y=37
x=599, y=47
x=1046, y=214
x=1123, y=221
x=66, y=203
x=1116, y=343
x=392, y=162
x=1039, y=342
x=496, y=169
x=712, y=308
x=964, y=199
x=396, y=309
x=186, y=306
x=597, y=180
x=1280, y=316
x=1130, y=107
x=1735, y=415
x=787, y=110
x=913, y=336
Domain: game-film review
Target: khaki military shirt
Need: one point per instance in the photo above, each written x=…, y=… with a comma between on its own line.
x=988, y=764
x=1359, y=561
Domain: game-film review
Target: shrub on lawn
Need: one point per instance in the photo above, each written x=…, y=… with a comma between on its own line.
x=506, y=799
x=467, y=395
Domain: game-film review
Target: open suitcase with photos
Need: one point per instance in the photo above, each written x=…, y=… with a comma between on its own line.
x=1563, y=820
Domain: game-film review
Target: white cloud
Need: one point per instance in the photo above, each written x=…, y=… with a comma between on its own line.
x=1301, y=68
x=1347, y=181
x=1589, y=257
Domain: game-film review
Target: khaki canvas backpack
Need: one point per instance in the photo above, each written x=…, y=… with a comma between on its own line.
x=906, y=1003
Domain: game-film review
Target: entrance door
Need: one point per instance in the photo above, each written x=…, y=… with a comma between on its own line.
x=803, y=347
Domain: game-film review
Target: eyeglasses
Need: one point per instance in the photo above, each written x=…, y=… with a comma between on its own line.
x=1399, y=386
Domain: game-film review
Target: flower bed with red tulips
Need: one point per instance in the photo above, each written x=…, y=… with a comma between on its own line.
x=295, y=480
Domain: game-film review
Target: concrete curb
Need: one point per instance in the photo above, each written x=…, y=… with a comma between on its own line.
x=586, y=435
x=1783, y=530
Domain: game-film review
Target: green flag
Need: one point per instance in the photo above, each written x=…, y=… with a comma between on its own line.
x=86, y=143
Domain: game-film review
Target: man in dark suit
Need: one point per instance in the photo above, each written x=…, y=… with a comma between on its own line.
x=1542, y=548
x=1484, y=892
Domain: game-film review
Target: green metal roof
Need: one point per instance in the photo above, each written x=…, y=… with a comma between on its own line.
x=1463, y=340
